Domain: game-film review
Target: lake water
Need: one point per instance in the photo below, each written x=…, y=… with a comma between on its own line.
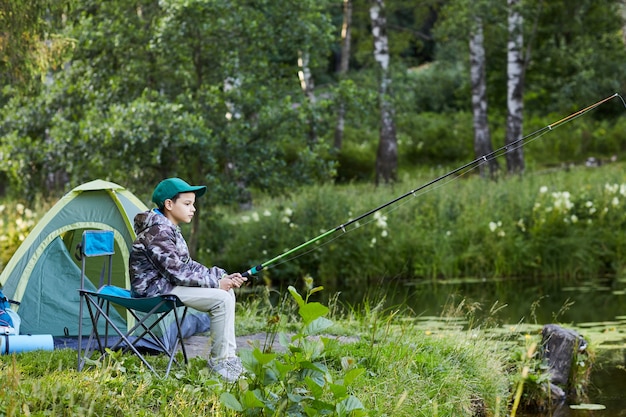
x=596, y=308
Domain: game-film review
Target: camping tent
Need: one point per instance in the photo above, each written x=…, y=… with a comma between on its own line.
x=44, y=276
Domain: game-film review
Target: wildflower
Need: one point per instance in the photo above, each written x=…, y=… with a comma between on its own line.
x=20, y=208
x=2, y=207
x=611, y=188
x=562, y=201
x=574, y=218
x=448, y=233
x=245, y=219
x=384, y=233
x=493, y=226
x=288, y=212
x=381, y=221
x=267, y=213
x=592, y=210
x=372, y=242
x=285, y=219
x=521, y=225
x=501, y=233
x=255, y=216
x=615, y=202
x=543, y=189
x=589, y=204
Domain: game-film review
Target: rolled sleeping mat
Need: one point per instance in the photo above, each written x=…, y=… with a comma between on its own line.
x=25, y=343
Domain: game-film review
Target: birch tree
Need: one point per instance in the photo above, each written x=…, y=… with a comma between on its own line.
x=387, y=155
x=515, y=88
x=343, y=68
x=622, y=12
x=482, y=134
x=308, y=88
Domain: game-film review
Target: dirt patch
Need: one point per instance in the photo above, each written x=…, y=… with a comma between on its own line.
x=201, y=345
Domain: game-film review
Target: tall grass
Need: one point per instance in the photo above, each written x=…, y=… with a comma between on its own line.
x=549, y=223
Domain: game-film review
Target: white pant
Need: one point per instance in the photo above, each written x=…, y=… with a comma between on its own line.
x=220, y=305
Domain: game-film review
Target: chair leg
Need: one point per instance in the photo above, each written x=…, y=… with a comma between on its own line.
x=99, y=307
x=125, y=338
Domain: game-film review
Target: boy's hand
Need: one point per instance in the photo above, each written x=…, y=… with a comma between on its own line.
x=232, y=281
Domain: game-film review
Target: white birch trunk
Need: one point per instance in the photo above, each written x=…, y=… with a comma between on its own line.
x=387, y=156
x=515, y=88
x=482, y=134
x=343, y=68
x=305, y=77
x=308, y=88
x=623, y=14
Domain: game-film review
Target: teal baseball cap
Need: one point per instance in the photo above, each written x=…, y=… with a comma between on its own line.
x=168, y=188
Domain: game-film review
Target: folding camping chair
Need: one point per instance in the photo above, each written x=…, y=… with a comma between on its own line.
x=148, y=312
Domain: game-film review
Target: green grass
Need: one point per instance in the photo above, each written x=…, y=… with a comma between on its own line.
x=389, y=367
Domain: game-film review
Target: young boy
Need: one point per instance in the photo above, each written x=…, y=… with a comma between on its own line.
x=160, y=264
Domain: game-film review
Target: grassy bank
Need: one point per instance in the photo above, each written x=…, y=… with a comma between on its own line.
x=388, y=368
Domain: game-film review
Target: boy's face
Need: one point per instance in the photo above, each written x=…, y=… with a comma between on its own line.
x=181, y=210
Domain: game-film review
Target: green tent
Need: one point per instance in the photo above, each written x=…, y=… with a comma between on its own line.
x=44, y=275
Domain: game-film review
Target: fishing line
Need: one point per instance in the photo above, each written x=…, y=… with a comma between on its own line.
x=461, y=171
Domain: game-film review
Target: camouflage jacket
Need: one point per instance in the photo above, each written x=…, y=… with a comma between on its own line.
x=159, y=259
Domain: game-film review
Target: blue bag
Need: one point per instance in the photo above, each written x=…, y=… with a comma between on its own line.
x=7, y=324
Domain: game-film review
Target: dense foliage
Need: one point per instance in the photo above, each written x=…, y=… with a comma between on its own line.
x=132, y=91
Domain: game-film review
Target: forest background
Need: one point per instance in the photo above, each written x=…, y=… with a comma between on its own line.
x=300, y=115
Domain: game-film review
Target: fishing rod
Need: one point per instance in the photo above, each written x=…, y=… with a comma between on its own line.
x=470, y=165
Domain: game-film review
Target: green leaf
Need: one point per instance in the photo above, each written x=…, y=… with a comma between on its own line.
x=314, y=387
x=263, y=358
x=339, y=391
x=296, y=296
x=228, y=400
x=352, y=375
x=311, y=311
x=250, y=400
x=316, y=289
x=317, y=326
x=349, y=405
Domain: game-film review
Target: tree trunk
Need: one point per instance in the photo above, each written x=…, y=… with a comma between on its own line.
x=343, y=69
x=482, y=135
x=307, y=85
x=623, y=14
x=515, y=89
x=387, y=156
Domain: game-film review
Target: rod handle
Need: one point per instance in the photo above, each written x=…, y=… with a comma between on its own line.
x=252, y=271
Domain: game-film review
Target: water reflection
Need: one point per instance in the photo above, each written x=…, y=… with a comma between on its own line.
x=593, y=307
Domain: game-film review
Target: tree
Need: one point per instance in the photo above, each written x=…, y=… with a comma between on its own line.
x=143, y=97
x=344, y=65
x=482, y=135
x=515, y=89
x=387, y=156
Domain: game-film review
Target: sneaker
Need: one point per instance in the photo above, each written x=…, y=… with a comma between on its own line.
x=235, y=363
x=230, y=369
